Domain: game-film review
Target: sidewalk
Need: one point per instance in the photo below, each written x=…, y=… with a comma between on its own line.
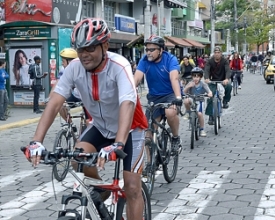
x=23, y=116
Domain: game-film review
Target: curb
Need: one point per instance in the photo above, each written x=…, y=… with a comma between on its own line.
x=31, y=121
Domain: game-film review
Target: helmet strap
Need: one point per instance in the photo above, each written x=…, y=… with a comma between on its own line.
x=159, y=56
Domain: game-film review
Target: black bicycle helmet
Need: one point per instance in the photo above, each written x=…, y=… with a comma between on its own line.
x=90, y=31
x=197, y=71
x=157, y=40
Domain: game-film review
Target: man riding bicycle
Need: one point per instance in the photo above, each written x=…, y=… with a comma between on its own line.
x=217, y=69
x=162, y=74
x=106, y=85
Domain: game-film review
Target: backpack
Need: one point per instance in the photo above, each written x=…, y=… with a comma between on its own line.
x=31, y=71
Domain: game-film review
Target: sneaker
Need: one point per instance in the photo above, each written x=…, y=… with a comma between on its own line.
x=210, y=120
x=202, y=133
x=39, y=111
x=225, y=104
x=239, y=87
x=186, y=116
x=2, y=119
x=176, y=144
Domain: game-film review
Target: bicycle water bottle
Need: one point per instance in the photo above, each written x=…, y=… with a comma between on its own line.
x=100, y=206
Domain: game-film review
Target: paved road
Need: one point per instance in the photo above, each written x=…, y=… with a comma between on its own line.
x=228, y=176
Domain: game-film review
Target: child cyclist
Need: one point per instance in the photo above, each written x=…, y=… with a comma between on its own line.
x=196, y=87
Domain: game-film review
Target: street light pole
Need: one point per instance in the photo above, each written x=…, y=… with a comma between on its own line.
x=236, y=27
x=212, y=17
x=245, y=46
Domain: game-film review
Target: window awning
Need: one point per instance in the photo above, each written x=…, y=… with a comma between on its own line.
x=139, y=39
x=194, y=43
x=178, y=42
x=201, y=5
x=169, y=44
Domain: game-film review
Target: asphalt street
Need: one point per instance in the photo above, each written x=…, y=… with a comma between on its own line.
x=228, y=176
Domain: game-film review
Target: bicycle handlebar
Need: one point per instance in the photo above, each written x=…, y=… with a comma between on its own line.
x=187, y=95
x=88, y=159
x=74, y=104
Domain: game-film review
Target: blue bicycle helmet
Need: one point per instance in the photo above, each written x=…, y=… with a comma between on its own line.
x=197, y=71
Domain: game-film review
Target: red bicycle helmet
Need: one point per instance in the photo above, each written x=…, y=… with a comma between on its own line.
x=90, y=31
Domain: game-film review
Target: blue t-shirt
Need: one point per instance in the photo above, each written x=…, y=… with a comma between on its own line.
x=3, y=76
x=158, y=74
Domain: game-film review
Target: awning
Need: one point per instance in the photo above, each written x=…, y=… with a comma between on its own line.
x=122, y=38
x=194, y=43
x=201, y=5
x=169, y=44
x=137, y=40
x=178, y=42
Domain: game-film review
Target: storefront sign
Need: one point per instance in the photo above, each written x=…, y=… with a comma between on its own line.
x=26, y=33
x=26, y=98
x=24, y=10
x=125, y=24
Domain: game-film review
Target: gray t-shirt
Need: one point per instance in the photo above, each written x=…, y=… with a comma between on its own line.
x=101, y=92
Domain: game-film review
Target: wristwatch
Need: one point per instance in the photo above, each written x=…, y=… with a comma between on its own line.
x=178, y=97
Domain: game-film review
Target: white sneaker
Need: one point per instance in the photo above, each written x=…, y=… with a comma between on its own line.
x=239, y=87
x=202, y=133
x=186, y=116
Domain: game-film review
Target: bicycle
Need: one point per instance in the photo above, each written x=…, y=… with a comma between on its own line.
x=66, y=138
x=90, y=200
x=194, y=124
x=217, y=107
x=235, y=81
x=158, y=149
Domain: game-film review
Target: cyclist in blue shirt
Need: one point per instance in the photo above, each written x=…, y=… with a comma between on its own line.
x=161, y=70
x=3, y=92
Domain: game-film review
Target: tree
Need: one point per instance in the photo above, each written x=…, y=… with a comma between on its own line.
x=258, y=31
x=225, y=16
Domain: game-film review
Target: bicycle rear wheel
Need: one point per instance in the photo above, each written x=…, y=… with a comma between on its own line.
x=148, y=174
x=61, y=168
x=193, y=128
x=122, y=203
x=215, y=115
x=169, y=161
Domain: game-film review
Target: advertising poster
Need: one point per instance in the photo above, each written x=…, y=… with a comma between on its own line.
x=19, y=61
x=28, y=10
x=26, y=98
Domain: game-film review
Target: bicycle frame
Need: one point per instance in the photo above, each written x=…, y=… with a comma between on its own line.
x=82, y=191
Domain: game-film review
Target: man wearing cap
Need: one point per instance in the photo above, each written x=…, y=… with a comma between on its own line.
x=217, y=69
x=37, y=83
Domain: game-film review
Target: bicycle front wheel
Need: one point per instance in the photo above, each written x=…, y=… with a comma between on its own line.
x=61, y=168
x=170, y=161
x=215, y=115
x=122, y=203
x=148, y=174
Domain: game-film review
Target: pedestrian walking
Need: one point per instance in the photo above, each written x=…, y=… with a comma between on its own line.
x=3, y=91
x=35, y=71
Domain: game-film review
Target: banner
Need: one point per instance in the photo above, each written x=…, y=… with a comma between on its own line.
x=26, y=98
x=28, y=10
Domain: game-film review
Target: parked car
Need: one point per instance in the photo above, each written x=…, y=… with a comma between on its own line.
x=269, y=70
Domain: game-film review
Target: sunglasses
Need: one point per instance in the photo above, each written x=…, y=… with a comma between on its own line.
x=151, y=49
x=89, y=49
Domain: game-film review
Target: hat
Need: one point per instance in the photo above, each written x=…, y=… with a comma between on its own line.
x=217, y=48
